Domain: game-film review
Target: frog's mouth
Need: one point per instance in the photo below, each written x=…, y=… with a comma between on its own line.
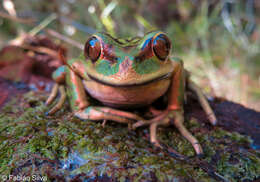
x=126, y=74
x=162, y=77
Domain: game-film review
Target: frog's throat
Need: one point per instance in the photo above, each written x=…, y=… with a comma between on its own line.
x=165, y=76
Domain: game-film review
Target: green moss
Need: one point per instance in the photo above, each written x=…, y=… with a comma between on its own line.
x=27, y=135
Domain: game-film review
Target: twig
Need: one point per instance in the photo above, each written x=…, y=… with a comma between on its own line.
x=19, y=40
x=65, y=39
x=43, y=24
x=41, y=50
x=29, y=21
x=77, y=25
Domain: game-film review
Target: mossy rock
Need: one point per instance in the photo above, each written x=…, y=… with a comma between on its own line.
x=63, y=148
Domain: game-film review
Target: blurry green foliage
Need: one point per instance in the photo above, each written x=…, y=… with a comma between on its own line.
x=218, y=40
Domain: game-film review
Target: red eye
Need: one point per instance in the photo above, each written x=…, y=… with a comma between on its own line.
x=146, y=51
x=92, y=49
x=161, y=46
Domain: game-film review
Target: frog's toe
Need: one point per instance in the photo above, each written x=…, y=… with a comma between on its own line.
x=157, y=144
x=198, y=149
x=130, y=126
x=161, y=119
x=214, y=123
x=105, y=113
x=153, y=137
x=138, y=124
x=204, y=102
x=104, y=123
x=212, y=118
x=155, y=112
x=178, y=123
x=53, y=94
x=59, y=103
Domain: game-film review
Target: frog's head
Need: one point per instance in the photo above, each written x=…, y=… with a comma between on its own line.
x=125, y=62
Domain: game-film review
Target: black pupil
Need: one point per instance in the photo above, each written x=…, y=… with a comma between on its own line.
x=161, y=46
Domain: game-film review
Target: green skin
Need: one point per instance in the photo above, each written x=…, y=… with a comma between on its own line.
x=123, y=81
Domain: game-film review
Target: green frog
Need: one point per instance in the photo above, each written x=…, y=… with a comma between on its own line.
x=126, y=74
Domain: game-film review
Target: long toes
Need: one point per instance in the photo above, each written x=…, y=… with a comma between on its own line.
x=130, y=127
x=53, y=94
x=156, y=144
x=60, y=102
x=138, y=124
x=214, y=123
x=155, y=112
x=197, y=147
x=212, y=118
x=104, y=123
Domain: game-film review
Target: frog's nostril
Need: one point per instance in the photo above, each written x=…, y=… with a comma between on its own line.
x=127, y=61
x=125, y=65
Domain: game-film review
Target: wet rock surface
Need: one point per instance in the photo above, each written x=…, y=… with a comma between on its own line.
x=232, y=117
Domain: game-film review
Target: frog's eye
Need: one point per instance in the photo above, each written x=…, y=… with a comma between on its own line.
x=92, y=49
x=161, y=46
x=145, y=51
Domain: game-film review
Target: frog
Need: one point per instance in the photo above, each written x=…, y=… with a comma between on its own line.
x=124, y=75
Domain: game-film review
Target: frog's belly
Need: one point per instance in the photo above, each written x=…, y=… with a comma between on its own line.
x=127, y=97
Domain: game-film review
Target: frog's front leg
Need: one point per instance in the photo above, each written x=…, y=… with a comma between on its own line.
x=63, y=75
x=105, y=113
x=59, y=77
x=174, y=112
x=79, y=101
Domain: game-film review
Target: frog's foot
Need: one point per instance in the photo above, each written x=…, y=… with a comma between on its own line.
x=167, y=117
x=56, y=88
x=160, y=117
x=106, y=113
x=178, y=123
